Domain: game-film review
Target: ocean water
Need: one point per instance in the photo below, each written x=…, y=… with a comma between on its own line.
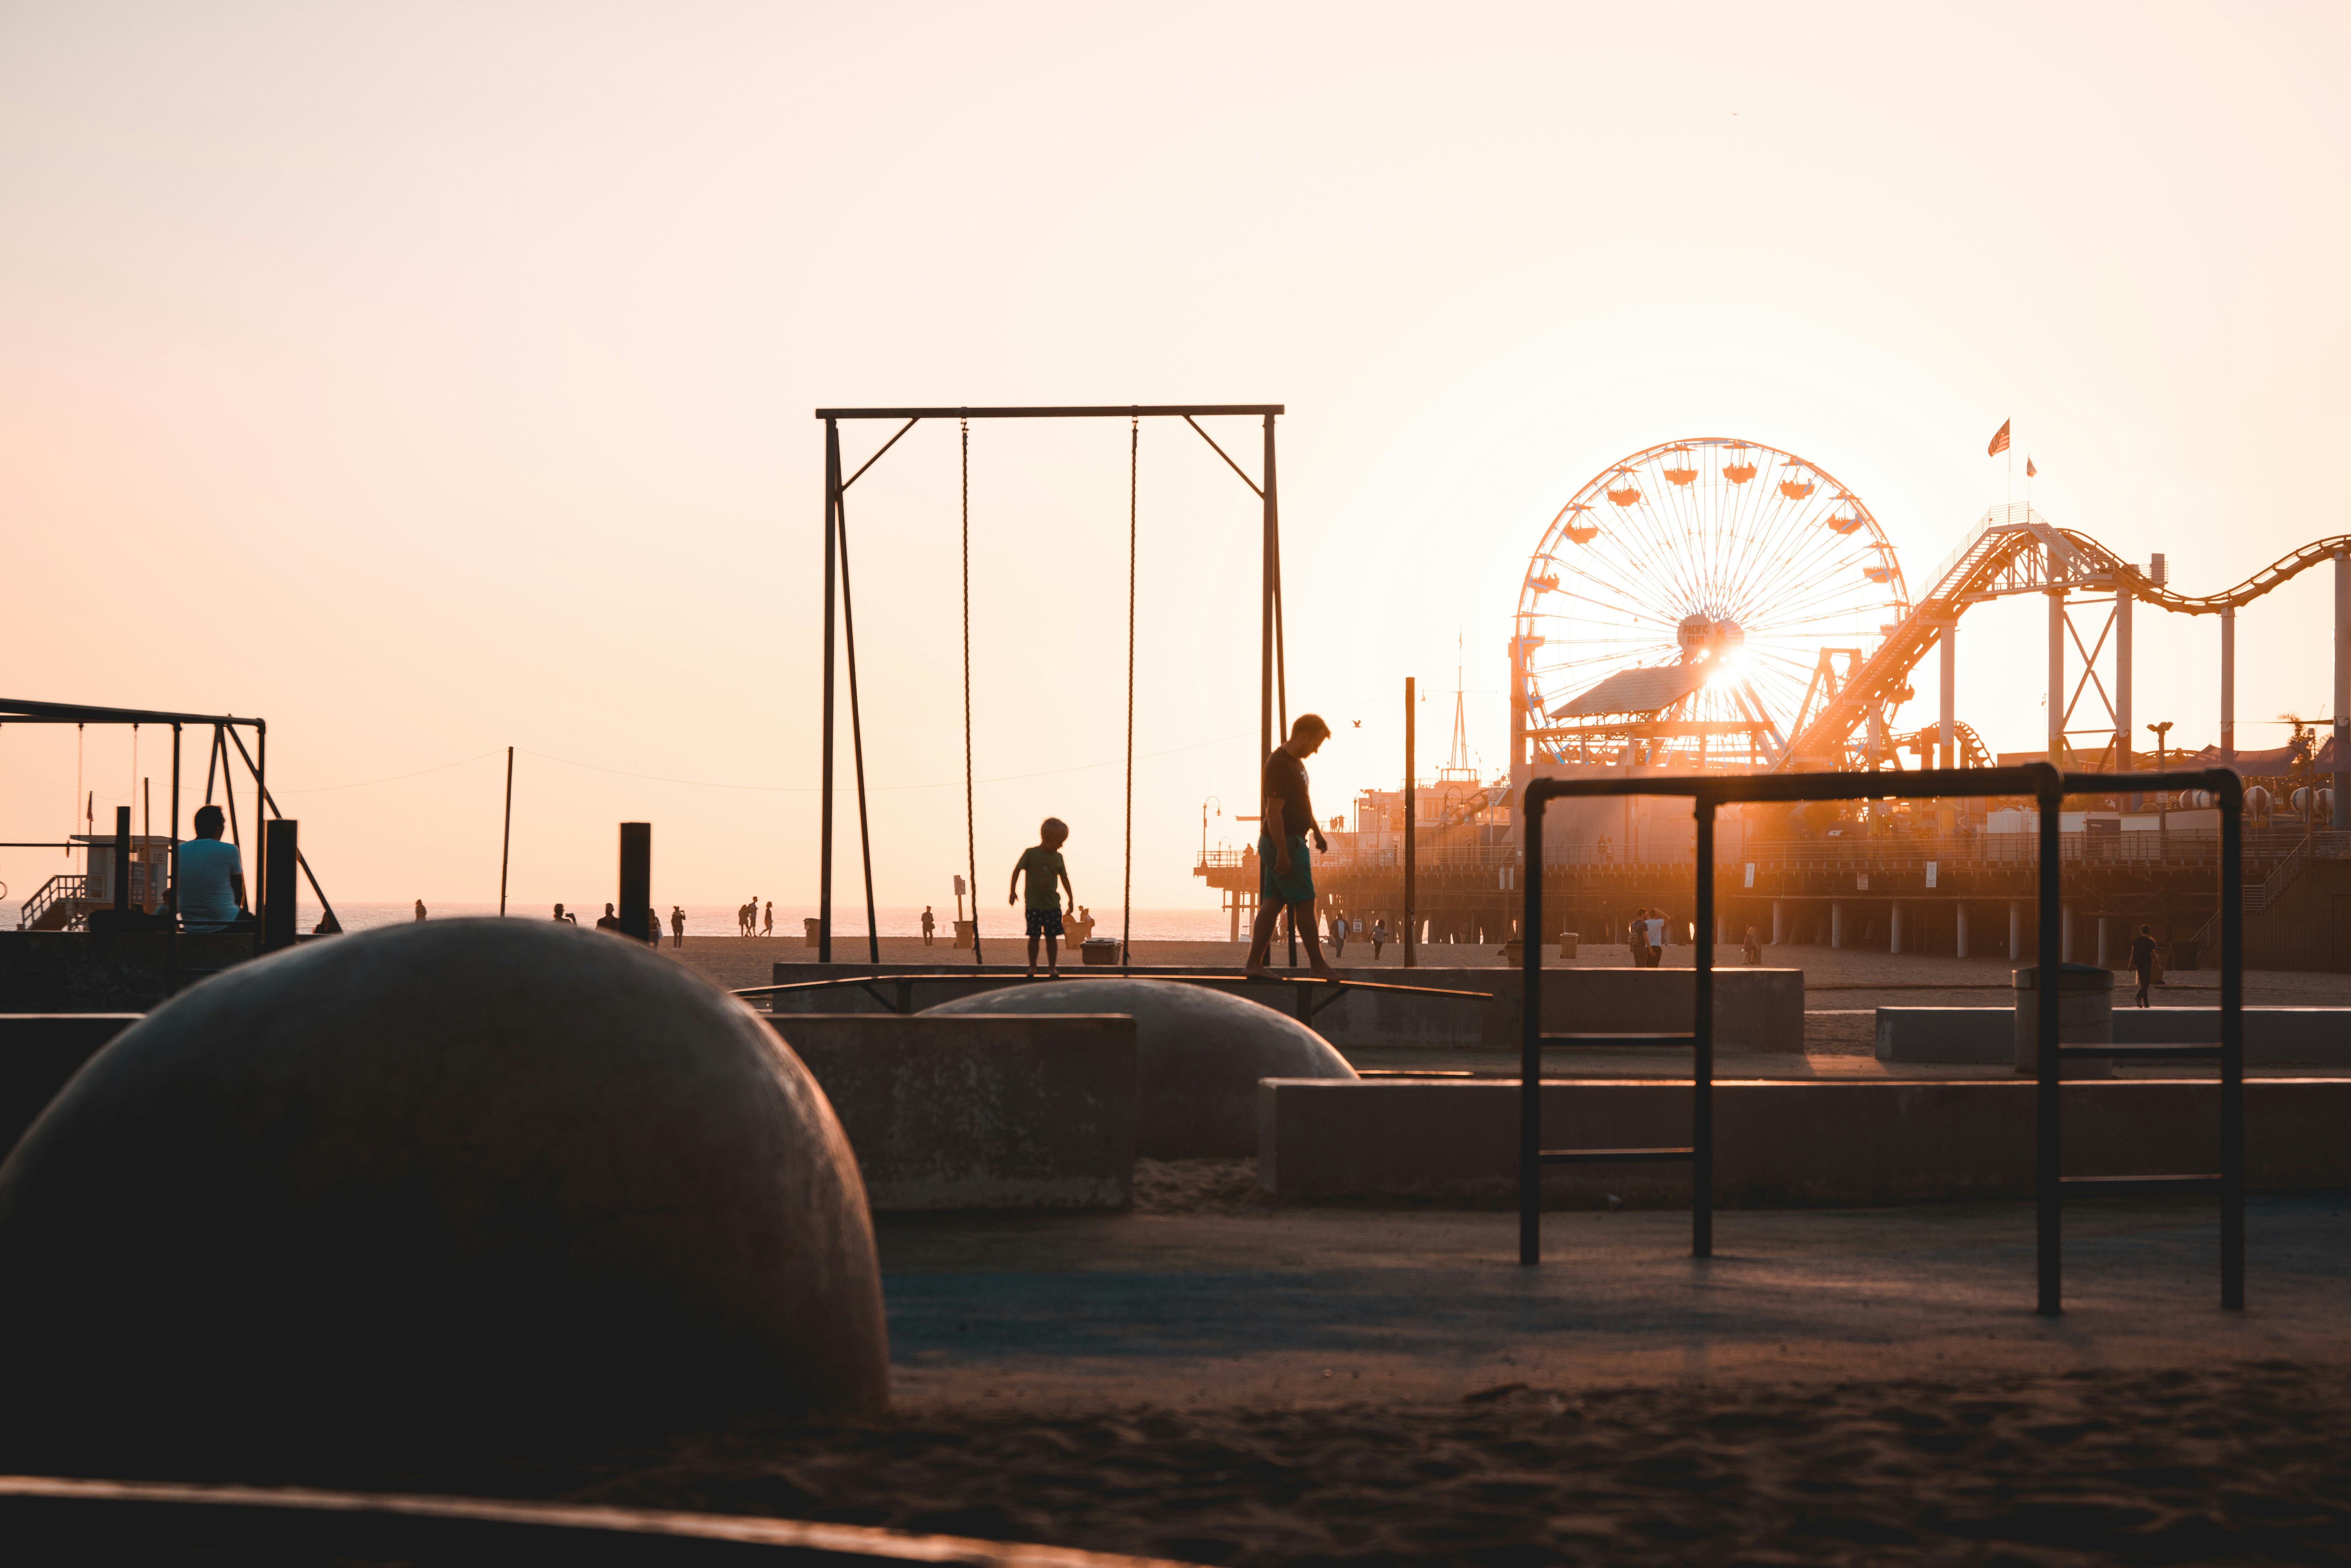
x=718, y=920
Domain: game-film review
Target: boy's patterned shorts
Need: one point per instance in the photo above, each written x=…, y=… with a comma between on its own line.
x=1045, y=922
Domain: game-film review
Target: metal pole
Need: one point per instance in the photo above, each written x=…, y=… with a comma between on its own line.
x=2056, y=678
x=1702, y=1045
x=1281, y=669
x=261, y=821
x=1530, y=1044
x=2232, y=1043
x=2048, y=1142
x=505, y=838
x=824, y=765
x=2341, y=687
x=2229, y=684
x=856, y=729
x=172, y=888
x=122, y=878
x=1411, y=837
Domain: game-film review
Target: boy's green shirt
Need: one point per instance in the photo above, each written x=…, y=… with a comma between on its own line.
x=1045, y=869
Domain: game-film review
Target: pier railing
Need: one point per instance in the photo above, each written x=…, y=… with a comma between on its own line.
x=2048, y=788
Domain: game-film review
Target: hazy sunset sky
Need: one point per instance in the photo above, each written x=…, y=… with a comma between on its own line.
x=435, y=379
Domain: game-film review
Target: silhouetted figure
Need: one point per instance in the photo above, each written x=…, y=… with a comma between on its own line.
x=1338, y=935
x=769, y=928
x=1379, y=937
x=419, y=909
x=212, y=876
x=611, y=922
x=1286, y=821
x=1043, y=864
x=678, y=925
x=930, y=924
x=1752, y=947
x=2143, y=960
x=566, y=919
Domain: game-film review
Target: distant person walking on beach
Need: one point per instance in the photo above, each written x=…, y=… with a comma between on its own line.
x=1752, y=947
x=211, y=877
x=930, y=924
x=1637, y=938
x=1379, y=936
x=2143, y=960
x=419, y=909
x=1043, y=864
x=1338, y=935
x=677, y=924
x=770, y=931
x=1287, y=875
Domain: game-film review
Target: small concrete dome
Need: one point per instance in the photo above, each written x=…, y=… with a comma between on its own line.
x=1199, y=1053
x=461, y=1186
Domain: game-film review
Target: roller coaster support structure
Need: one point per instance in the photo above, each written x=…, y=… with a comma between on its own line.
x=2012, y=549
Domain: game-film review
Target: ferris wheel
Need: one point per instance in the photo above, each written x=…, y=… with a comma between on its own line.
x=1689, y=598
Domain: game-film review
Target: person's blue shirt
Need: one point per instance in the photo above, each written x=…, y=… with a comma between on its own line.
x=208, y=895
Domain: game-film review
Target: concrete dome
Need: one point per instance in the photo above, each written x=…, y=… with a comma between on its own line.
x=1199, y=1053
x=498, y=1185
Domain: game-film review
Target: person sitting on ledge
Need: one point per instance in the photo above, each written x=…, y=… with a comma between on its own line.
x=210, y=890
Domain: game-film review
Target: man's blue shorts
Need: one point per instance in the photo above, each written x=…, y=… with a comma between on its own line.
x=1045, y=922
x=1276, y=886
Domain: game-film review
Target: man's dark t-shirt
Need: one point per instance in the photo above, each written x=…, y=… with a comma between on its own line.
x=2142, y=953
x=1286, y=776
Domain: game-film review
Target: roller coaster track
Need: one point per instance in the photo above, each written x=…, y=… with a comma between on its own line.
x=2012, y=549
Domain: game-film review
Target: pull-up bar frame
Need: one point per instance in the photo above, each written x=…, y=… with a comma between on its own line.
x=1273, y=696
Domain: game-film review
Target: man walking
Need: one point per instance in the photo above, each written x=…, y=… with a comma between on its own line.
x=677, y=924
x=930, y=924
x=1338, y=935
x=1286, y=822
x=2143, y=960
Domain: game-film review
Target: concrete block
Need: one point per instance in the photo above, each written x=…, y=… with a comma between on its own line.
x=2275, y=1036
x=1782, y=1145
x=38, y=1053
x=979, y=1112
x=74, y=972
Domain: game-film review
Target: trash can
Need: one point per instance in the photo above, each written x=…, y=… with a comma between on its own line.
x=2085, y=1016
x=809, y=925
x=1567, y=940
x=1098, y=951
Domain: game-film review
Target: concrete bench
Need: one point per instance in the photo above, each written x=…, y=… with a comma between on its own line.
x=980, y=1112
x=1781, y=1144
x=2274, y=1035
x=1754, y=1008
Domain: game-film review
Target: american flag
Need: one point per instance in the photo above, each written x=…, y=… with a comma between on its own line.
x=2000, y=439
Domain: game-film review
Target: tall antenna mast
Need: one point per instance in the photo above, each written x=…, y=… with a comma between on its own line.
x=1458, y=765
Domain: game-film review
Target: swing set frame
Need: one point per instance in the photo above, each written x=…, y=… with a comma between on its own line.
x=1273, y=697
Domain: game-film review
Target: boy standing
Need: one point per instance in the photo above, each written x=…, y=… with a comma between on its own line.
x=1043, y=860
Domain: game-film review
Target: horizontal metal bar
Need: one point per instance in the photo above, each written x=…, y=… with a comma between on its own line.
x=964, y=976
x=1089, y=411
x=1940, y=783
x=14, y=712
x=2168, y=1053
x=1589, y=1040
x=1616, y=1156
x=2142, y=1184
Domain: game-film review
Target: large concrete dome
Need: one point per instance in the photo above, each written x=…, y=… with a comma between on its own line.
x=494, y=1185
x=1199, y=1055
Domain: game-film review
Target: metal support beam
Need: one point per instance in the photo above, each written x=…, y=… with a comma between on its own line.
x=2229, y=684
x=1961, y=911
x=2123, y=731
x=2056, y=737
x=280, y=838
x=2342, y=684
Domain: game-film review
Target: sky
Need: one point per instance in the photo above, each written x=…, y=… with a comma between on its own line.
x=430, y=380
